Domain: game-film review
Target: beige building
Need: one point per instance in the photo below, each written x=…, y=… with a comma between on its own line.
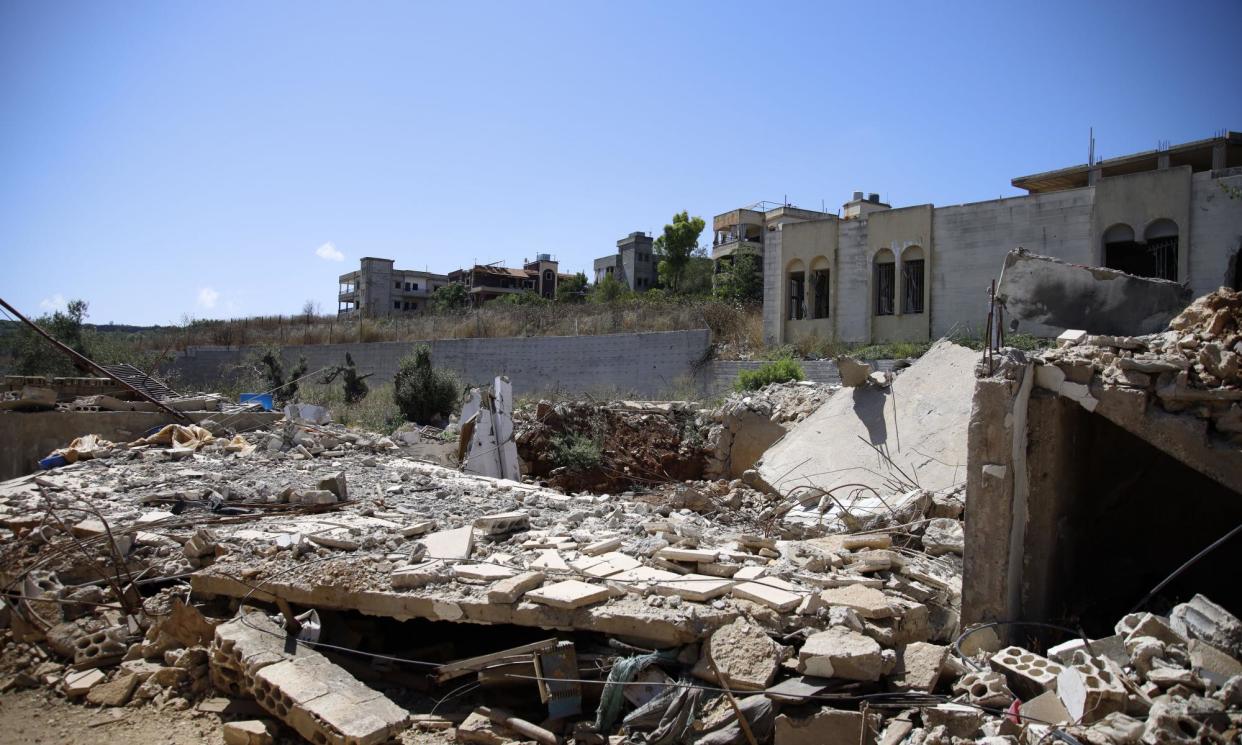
x=876, y=273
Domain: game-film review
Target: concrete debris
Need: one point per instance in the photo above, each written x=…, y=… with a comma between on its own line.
x=797, y=596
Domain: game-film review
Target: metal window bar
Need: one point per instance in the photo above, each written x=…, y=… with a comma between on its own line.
x=885, y=290
x=1164, y=252
x=821, y=293
x=912, y=286
x=797, y=297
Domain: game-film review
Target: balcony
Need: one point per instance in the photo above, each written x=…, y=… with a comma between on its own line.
x=731, y=246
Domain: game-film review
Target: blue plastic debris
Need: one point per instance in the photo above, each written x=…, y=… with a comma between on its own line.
x=260, y=398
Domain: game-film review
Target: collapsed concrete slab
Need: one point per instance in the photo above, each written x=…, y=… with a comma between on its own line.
x=919, y=424
x=1047, y=296
x=323, y=702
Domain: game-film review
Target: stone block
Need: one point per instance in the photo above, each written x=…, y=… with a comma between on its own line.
x=688, y=555
x=605, y=565
x=865, y=601
x=337, y=485
x=508, y=590
x=249, y=732
x=840, y=653
x=418, y=575
x=944, y=535
x=743, y=655
x=116, y=692
x=1211, y=664
x=773, y=592
x=455, y=544
x=1135, y=625
x=825, y=727
x=918, y=667
x=603, y=546
x=1028, y=674
x=568, y=595
x=484, y=572
x=313, y=496
x=78, y=684
x=201, y=544
x=1200, y=618
x=696, y=587
x=504, y=522
x=958, y=720
x=550, y=559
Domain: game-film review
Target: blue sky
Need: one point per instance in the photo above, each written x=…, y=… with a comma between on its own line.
x=166, y=160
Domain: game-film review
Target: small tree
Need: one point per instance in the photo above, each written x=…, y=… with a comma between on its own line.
x=609, y=290
x=676, y=246
x=36, y=356
x=451, y=297
x=355, y=385
x=310, y=309
x=741, y=281
x=422, y=392
x=572, y=289
x=271, y=370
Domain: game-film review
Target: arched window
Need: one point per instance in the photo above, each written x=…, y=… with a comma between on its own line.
x=796, y=274
x=884, y=278
x=821, y=286
x=913, y=283
x=1155, y=256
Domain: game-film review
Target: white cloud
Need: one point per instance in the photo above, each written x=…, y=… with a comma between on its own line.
x=55, y=302
x=329, y=252
x=207, y=297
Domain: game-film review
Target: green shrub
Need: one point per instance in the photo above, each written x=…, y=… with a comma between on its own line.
x=575, y=452
x=422, y=392
x=776, y=371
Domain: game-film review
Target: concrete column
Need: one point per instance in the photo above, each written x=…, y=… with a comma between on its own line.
x=1218, y=156
x=1162, y=161
x=1093, y=175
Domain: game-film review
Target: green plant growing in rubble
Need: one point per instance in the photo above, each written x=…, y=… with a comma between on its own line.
x=576, y=452
x=422, y=392
x=777, y=371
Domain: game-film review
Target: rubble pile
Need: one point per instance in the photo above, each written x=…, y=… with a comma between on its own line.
x=639, y=442
x=1193, y=366
x=746, y=425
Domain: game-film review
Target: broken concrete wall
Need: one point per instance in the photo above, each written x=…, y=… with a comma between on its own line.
x=1046, y=296
x=919, y=423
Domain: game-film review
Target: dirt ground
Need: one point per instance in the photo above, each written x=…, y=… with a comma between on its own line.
x=37, y=716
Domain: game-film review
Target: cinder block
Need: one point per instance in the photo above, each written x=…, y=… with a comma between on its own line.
x=1028, y=674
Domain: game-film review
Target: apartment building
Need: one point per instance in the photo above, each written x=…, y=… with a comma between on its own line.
x=378, y=290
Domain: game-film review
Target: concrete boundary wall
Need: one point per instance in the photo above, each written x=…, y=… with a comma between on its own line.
x=645, y=364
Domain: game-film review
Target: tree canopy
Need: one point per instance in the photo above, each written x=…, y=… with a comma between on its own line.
x=675, y=248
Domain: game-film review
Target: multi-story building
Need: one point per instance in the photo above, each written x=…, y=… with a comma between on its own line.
x=751, y=229
x=379, y=290
x=490, y=281
x=920, y=272
x=634, y=263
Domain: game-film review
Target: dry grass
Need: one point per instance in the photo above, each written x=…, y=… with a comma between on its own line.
x=737, y=329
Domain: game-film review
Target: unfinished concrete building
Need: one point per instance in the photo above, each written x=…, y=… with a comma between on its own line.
x=633, y=265
x=920, y=272
x=378, y=290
